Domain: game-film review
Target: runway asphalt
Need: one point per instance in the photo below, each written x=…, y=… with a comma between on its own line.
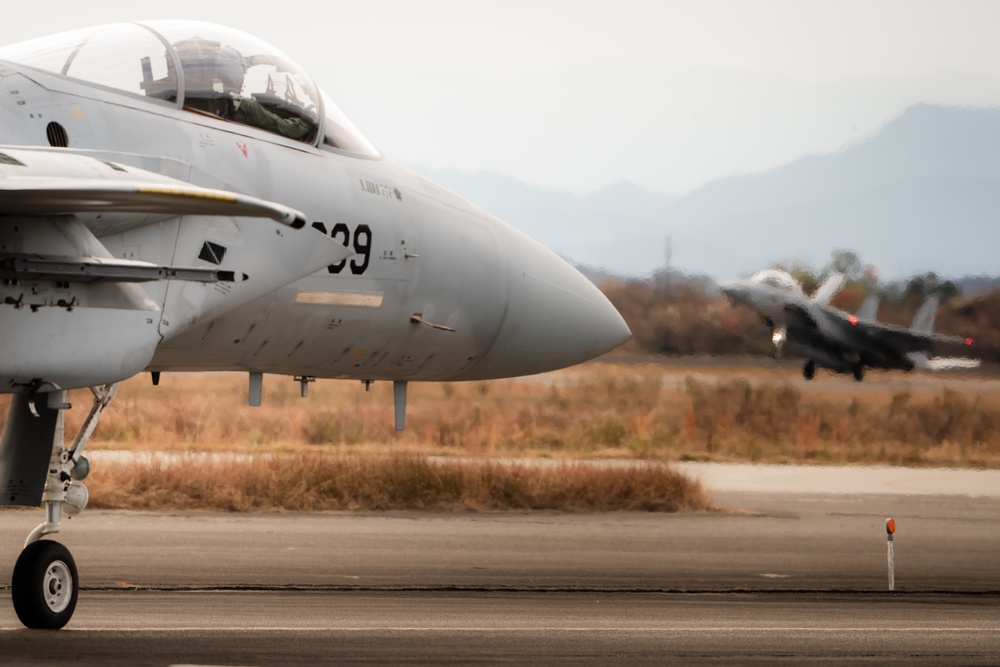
x=286, y=628
x=770, y=577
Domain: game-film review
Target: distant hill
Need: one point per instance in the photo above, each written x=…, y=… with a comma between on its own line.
x=922, y=194
x=977, y=285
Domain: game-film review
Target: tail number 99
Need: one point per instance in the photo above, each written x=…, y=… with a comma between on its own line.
x=361, y=240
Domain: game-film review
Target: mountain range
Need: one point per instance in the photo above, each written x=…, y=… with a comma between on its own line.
x=920, y=194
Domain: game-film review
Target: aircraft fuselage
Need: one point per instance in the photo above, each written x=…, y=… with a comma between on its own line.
x=503, y=304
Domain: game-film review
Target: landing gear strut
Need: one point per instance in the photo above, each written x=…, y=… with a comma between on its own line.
x=44, y=586
x=858, y=372
x=778, y=337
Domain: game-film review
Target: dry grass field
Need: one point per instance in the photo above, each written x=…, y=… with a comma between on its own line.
x=311, y=482
x=658, y=412
x=600, y=410
x=655, y=411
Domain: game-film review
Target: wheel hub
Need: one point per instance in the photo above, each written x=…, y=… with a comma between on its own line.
x=57, y=586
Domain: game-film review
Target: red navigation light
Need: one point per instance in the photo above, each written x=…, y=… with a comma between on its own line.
x=968, y=341
x=853, y=320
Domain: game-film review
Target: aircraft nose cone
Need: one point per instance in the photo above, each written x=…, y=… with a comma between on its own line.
x=555, y=316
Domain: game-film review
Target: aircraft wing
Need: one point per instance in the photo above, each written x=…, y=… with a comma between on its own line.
x=57, y=212
x=109, y=197
x=55, y=190
x=53, y=195
x=853, y=332
x=98, y=201
x=897, y=338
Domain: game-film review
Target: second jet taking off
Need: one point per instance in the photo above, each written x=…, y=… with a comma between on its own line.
x=829, y=337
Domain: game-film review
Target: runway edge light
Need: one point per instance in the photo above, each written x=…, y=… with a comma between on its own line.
x=890, y=529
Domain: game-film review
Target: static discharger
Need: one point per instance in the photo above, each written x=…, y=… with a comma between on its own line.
x=890, y=529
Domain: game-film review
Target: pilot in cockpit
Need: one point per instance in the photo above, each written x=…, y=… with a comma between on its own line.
x=213, y=82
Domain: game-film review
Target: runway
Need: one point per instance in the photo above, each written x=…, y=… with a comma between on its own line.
x=281, y=628
x=769, y=577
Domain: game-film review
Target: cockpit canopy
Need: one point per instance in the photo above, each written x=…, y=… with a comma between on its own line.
x=777, y=279
x=203, y=68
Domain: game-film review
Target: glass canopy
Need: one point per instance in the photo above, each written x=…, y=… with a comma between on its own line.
x=203, y=68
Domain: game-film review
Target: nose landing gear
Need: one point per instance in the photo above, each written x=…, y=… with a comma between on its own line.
x=45, y=586
x=858, y=372
x=778, y=337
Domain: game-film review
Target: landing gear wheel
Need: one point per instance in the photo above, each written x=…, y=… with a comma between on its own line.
x=44, y=587
x=809, y=370
x=859, y=372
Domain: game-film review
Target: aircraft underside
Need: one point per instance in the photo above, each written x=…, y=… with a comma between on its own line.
x=847, y=363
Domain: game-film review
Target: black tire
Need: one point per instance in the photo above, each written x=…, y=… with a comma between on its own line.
x=809, y=370
x=859, y=372
x=44, y=587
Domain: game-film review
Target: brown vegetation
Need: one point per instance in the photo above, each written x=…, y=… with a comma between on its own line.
x=349, y=482
x=775, y=423
x=338, y=448
x=654, y=411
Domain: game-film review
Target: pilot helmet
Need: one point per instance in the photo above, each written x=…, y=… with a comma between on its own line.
x=230, y=69
x=210, y=67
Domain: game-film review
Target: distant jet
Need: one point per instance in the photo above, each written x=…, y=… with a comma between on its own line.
x=829, y=337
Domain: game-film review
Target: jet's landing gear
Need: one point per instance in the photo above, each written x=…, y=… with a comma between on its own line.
x=44, y=586
x=778, y=337
x=858, y=371
x=809, y=370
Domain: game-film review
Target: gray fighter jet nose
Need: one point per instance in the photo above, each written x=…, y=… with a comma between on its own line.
x=555, y=317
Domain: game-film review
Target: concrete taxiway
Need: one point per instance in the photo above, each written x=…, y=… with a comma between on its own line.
x=770, y=576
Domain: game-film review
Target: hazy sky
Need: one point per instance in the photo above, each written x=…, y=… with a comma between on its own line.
x=578, y=94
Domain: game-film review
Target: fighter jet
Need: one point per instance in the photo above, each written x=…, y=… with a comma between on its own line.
x=829, y=337
x=181, y=196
